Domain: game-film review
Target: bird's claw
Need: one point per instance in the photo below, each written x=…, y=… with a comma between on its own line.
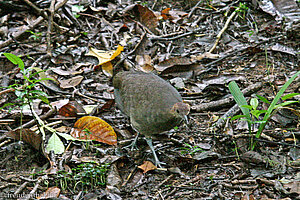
x=158, y=164
x=133, y=144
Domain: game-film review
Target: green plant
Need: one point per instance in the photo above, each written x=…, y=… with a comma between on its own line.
x=236, y=149
x=87, y=176
x=90, y=175
x=242, y=10
x=189, y=149
x=87, y=132
x=25, y=91
x=144, y=3
x=77, y=9
x=254, y=113
x=34, y=35
x=250, y=112
x=64, y=179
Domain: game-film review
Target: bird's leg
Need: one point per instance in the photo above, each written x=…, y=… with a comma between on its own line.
x=133, y=144
x=149, y=142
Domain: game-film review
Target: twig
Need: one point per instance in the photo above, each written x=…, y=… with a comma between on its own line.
x=30, y=27
x=21, y=33
x=164, y=181
x=231, y=112
x=33, y=191
x=40, y=12
x=193, y=9
x=224, y=102
x=241, y=50
x=31, y=122
x=164, y=37
x=36, y=9
x=223, y=30
x=50, y=23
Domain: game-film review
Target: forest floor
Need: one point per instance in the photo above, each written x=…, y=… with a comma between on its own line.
x=67, y=51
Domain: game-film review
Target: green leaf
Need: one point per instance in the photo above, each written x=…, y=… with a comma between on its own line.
x=289, y=96
x=247, y=106
x=39, y=92
x=240, y=100
x=55, y=144
x=285, y=104
x=43, y=98
x=254, y=103
x=255, y=113
x=261, y=111
x=15, y=60
x=7, y=104
x=44, y=79
x=272, y=106
x=237, y=117
x=263, y=99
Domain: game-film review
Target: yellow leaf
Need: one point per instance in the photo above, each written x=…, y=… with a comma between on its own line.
x=104, y=58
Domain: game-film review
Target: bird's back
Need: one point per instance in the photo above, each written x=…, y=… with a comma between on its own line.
x=147, y=99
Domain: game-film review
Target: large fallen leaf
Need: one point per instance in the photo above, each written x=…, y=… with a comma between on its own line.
x=26, y=135
x=104, y=58
x=94, y=128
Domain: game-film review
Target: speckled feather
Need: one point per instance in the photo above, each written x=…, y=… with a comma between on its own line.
x=148, y=100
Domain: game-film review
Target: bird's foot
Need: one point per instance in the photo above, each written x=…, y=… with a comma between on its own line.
x=157, y=162
x=133, y=144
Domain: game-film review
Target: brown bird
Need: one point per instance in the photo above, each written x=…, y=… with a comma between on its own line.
x=152, y=104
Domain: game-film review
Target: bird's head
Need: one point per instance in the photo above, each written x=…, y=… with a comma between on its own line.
x=181, y=110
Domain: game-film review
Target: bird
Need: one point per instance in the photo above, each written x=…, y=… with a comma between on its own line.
x=152, y=104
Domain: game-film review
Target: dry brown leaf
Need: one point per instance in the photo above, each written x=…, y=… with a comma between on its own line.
x=52, y=192
x=165, y=13
x=71, y=82
x=144, y=63
x=65, y=72
x=107, y=106
x=147, y=166
x=26, y=135
x=173, y=15
x=60, y=103
x=205, y=55
x=145, y=16
x=172, y=62
x=71, y=109
x=94, y=128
